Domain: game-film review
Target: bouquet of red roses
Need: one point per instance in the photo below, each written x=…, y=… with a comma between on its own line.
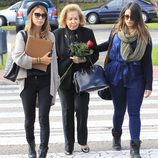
x=81, y=49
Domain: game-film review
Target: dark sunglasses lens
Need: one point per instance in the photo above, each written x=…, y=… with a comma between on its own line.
x=127, y=17
x=42, y=15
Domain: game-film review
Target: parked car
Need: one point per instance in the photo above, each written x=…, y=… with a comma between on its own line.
x=8, y=15
x=21, y=15
x=110, y=11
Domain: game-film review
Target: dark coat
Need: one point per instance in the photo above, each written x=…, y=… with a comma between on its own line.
x=62, y=47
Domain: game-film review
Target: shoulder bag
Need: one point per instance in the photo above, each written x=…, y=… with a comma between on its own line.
x=105, y=93
x=11, y=68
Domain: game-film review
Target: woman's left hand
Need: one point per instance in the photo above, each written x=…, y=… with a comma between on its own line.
x=46, y=59
x=147, y=93
x=78, y=60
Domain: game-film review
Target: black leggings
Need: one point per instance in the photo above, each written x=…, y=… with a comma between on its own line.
x=37, y=86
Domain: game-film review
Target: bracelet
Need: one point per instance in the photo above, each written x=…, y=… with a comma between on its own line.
x=38, y=60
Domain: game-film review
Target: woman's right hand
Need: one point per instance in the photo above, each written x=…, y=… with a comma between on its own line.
x=46, y=59
x=147, y=93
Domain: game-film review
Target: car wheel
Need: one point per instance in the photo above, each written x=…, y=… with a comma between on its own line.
x=92, y=18
x=2, y=21
x=145, y=17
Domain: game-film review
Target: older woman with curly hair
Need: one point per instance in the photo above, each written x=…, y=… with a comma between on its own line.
x=73, y=31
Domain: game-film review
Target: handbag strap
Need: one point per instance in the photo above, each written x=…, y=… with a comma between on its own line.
x=90, y=60
x=24, y=35
x=106, y=61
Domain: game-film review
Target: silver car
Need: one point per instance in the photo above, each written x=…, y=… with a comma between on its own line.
x=8, y=15
x=21, y=14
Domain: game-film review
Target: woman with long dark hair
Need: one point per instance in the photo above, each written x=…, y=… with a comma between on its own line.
x=129, y=73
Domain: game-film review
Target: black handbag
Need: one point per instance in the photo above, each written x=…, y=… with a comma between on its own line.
x=11, y=68
x=105, y=94
x=90, y=79
x=12, y=72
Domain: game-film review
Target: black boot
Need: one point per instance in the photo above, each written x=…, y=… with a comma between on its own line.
x=134, y=148
x=116, y=140
x=32, y=151
x=43, y=152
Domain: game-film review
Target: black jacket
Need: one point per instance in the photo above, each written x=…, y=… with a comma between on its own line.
x=62, y=37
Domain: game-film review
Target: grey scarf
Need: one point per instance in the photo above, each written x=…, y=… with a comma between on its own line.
x=126, y=51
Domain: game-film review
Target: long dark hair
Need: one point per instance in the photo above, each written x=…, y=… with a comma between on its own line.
x=136, y=16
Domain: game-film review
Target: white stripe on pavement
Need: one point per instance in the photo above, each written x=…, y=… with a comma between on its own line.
x=95, y=112
x=93, y=123
x=99, y=129
x=150, y=153
x=17, y=97
x=8, y=86
x=98, y=103
x=59, y=138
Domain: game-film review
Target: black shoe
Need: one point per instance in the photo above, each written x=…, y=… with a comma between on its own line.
x=116, y=140
x=31, y=149
x=85, y=149
x=68, y=152
x=135, y=148
x=43, y=152
x=116, y=144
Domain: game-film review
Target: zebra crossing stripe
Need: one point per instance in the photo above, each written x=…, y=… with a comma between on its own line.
x=12, y=117
x=146, y=153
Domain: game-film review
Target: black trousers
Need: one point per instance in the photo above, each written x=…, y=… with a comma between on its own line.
x=72, y=102
x=37, y=86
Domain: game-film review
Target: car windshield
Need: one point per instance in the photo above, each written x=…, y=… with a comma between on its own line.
x=115, y=3
x=28, y=3
x=15, y=6
x=147, y=2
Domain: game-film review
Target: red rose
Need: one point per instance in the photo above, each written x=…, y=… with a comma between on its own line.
x=90, y=43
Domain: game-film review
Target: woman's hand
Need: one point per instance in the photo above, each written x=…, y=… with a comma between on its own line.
x=46, y=59
x=147, y=93
x=78, y=60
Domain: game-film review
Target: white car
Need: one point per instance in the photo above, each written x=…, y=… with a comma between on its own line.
x=8, y=15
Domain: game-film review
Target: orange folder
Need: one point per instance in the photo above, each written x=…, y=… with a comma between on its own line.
x=36, y=47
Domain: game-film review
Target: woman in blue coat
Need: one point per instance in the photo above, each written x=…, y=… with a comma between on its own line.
x=129, y=73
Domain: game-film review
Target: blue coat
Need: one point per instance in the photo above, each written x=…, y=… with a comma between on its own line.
x=118, y=69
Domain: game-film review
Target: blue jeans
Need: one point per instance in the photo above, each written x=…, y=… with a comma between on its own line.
x=130, y=97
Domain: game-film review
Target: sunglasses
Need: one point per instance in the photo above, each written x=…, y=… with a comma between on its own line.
x=128, y=17
x=38, y=15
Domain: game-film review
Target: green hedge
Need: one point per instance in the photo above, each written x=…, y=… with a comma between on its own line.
x=4, y=3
